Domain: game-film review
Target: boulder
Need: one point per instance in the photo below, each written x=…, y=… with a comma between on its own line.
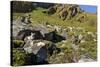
x=24, y=33
x=40, y=48
x=54, y=37
x=19, y=24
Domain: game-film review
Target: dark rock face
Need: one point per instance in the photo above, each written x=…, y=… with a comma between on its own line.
x=49, y=36
x=24, y=33
x=52, y=36
x=42, y=54
x=53, y=48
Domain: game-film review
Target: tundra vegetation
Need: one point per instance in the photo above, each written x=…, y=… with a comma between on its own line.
x=46, y=33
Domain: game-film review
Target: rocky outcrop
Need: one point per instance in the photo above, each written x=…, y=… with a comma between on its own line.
x=19, y=24
x=24, y=33
x=21, y=30
x=41, y=42
x=64, y=11
x=40, y=48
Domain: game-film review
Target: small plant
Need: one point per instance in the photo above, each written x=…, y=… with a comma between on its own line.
x=18, y=57
x=17, y=43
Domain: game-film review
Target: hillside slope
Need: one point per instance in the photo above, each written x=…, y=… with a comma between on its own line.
x=58, y=33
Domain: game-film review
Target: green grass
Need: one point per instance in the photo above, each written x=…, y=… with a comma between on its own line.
x=89, y=25
x=39, y=17
x=17, y=15
x=90, y=48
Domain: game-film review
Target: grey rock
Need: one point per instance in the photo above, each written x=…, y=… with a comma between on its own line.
x=33, y=47
x=75, y=47
x=64, y=34
x=85, y=58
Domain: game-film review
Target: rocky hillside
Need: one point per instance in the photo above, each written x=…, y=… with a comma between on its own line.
x=65, y=11
x=58, y=33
